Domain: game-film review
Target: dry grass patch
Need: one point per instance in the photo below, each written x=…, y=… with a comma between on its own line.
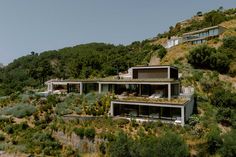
x=178, y=52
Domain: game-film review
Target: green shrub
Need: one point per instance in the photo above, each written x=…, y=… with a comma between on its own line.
x=107, y=136
x=79, y=132
x=102, y=148
x=43, y=142
x=224, y=116
x=145, y=146
x=229, y=144
x=223, y=98
x=121, y=121
x=193, y=120
x=9, y=129
x=214, y=141
x=230, y=42
x=63, y=108
x=171, y=144
x=148, y=125
x=206, y=57
x=120, y=146
x=200, y=56
x=5, y=119
x=2, y=137
x=90, y=133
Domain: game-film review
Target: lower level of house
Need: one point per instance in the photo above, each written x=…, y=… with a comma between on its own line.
x=167, y=112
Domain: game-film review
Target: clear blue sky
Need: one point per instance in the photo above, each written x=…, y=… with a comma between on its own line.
x=39, y=25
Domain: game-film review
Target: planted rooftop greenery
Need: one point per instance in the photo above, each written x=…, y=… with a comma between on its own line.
x=179, y=101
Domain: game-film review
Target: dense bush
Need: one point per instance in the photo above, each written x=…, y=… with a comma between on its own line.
x=229, y=42
x=161, y=51
x=193, y=120
x=200, y=56
x=19, y=110
x=90, y=133
x=220, y=59
x=214, y=141
x=225, y=116
x=2, y=137
x=214, y=18
x=107, y=136
x=44, y=143
x=171, y=144
x=79, y=132
x=63, y=108
x=145, y=146
x=223, y=98
x=208, y=58
x=121, y=146
x=229, y=144
x=121, y=121
x=9, y=129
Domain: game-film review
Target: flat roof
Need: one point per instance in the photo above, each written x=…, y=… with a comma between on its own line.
x=116, y=81
x=153, y=67
x=140, y=81
x=202, y=30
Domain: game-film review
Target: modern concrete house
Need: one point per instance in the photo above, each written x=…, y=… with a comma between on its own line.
x=201, y=36
x=149, y=93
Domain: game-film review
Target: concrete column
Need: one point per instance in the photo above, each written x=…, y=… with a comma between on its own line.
x=168, y=72
x=182, y=116
x=81, y=88
x=112, y=109
x=99, y=88
x=50, y=87
x=169, y=91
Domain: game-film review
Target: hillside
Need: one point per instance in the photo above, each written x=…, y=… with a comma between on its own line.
x=79, y=125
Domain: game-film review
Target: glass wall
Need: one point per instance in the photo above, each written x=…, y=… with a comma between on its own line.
x=145, y=111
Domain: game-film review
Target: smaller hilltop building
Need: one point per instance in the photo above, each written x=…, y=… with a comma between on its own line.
x=146, y=93
x=196, y=37
x=201, y=36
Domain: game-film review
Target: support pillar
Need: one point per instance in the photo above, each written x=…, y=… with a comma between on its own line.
x=169, y=91
x=81, y=88
x=112, y=109
x=168, y=72
x=182, y=116
x=50, y=87
x=99, y=88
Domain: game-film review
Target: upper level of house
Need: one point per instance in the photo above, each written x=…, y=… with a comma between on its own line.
x=201, y=36
x=154, y=72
